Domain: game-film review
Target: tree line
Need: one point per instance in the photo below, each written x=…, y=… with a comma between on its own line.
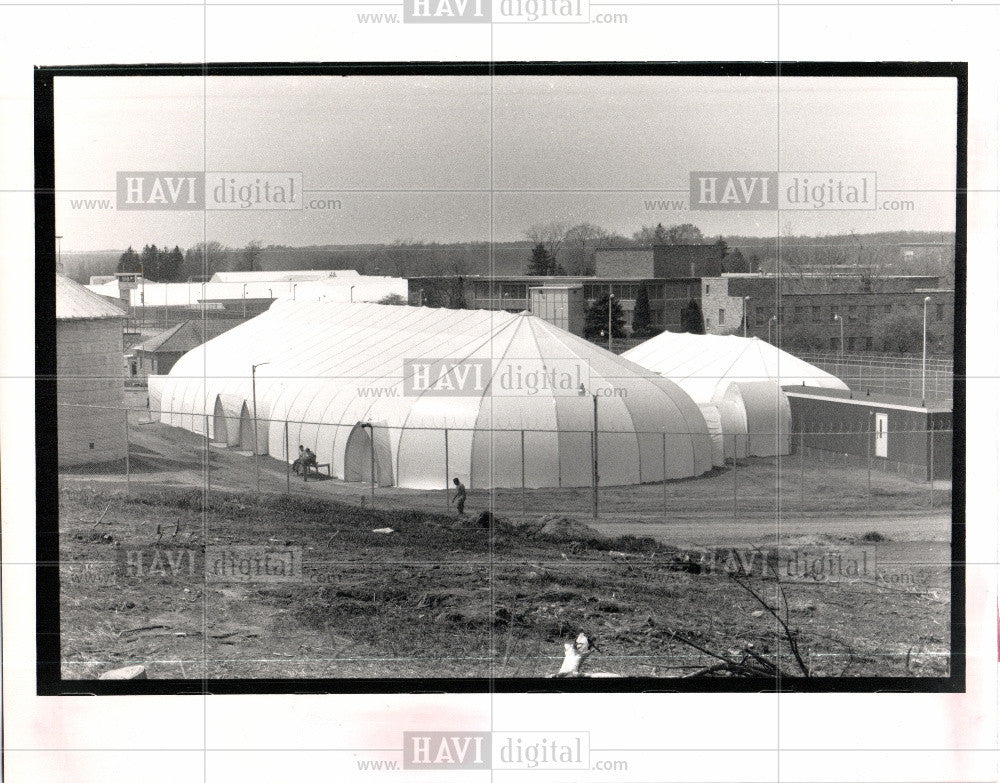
x=550, y=239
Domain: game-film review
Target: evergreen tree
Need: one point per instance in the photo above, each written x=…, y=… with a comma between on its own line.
x=170, y=264
x=150, y=262
x=642, y=317
x=692, y=320
x=128, y=261
x=596, y=322
x=541, y=263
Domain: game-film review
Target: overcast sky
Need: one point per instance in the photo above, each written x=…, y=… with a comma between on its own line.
x=611, y=143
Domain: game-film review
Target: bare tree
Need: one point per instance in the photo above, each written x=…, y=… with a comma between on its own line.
x=585, y=236
x=551, y=236
x=251, y=255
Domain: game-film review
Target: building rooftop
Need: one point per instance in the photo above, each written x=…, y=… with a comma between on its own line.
x=863, y=397
x=74, y=301
x=183, y=337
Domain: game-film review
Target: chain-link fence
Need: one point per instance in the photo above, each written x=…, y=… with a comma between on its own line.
x=618, y=476
x=894, y=375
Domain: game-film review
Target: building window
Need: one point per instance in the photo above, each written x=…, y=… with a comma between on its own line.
x=939, y=312
x=834, y=312
x=834, y=343
x=799, y=314
x=852, y=313
x=816, y=314
x=708, y=322
x=887, y=309
x=707, y=288
x=850, y=343
x=722, y=317
x=868, y=343
x=761, y=315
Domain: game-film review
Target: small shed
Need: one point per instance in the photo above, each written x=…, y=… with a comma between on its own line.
x=898, y=433
x=156, y=355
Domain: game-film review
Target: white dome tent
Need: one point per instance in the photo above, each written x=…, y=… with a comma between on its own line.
x=742, y=377
x=351, y=380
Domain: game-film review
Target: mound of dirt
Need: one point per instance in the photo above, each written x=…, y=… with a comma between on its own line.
x=560, y=528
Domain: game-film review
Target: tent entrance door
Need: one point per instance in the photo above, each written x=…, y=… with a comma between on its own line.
x=361, y=447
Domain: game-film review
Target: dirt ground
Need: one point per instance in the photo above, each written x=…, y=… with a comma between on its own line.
x=764, y=489
x=650, y=581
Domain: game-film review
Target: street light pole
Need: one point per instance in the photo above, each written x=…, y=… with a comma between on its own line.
x=746, y=308
x=773, y=319
x=611, y=299
x=294, y=285
x=256, y=455
x=244, y=301
x=597, y=476
x=836, y=317
x=923, y=360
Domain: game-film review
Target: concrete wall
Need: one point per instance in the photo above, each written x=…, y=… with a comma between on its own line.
x=90, y=372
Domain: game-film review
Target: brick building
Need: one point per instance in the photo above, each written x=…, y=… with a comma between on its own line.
x=811, y=311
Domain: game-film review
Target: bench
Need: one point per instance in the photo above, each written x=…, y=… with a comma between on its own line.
x=318, y=465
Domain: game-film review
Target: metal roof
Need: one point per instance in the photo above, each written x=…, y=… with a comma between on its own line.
x=74, y=301
x=183, y=337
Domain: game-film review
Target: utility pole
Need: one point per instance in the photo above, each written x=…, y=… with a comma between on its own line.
x=611, y=299
x=256, y=454
x=597, y=476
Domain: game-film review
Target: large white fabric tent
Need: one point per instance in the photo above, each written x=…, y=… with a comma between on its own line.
x=742, y=377
x=341, y=378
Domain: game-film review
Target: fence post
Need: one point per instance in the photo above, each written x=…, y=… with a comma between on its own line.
x=128, y=478
x=932, y=462
x=208, y=460
x=665, y=473
x=524, y=503
x=371, y=444
x=447, y=478
x=734, y=476
x=288, y=465
x=868, y=447
x=593, y=470
x=802, y=464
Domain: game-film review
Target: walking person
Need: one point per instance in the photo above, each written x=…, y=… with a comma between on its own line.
x=460, y=495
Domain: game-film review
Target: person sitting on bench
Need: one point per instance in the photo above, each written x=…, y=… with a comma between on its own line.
x=297, y=465
x=309, y=461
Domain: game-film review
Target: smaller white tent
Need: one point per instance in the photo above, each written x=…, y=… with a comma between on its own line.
x=768, y=417
x=714, y=421
x=742, y=377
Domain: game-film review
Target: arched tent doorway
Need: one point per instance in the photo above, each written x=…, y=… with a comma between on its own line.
x=733, y=418
x=226, y=419
x=358, y=454
x=246, y=431
x=715, y=433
